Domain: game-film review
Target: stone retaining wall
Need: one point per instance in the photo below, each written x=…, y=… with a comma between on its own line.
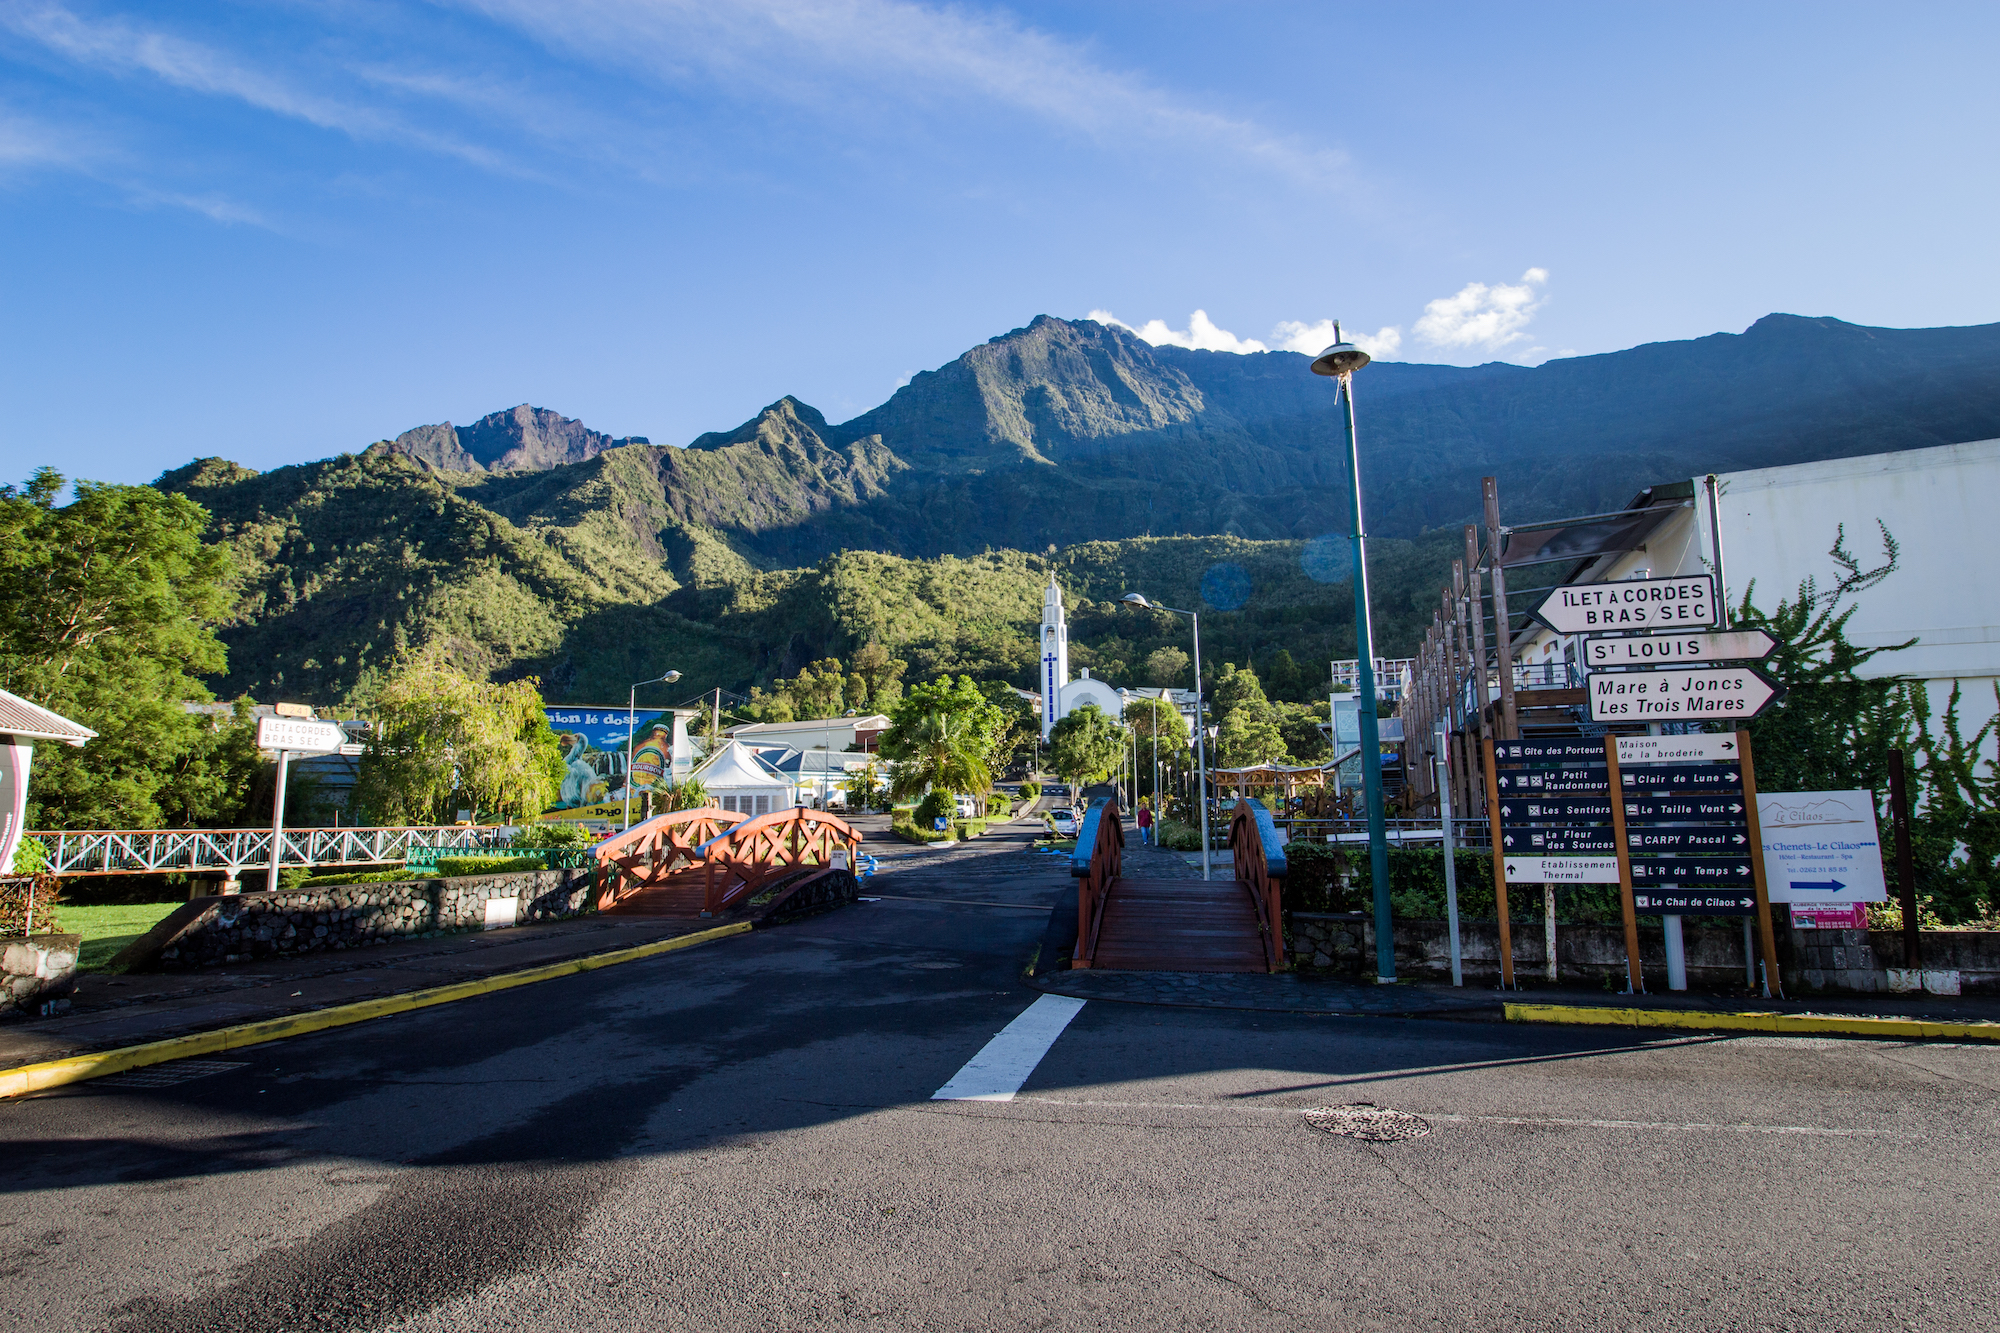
x=1855, y=961
x=240, y=927
x=38, y=972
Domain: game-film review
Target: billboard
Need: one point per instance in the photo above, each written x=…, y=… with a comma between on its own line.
x=593, y=742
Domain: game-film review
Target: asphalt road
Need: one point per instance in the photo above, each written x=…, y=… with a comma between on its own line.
x=742, y=1137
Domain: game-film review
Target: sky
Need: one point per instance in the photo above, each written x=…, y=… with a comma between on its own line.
x=275, y=232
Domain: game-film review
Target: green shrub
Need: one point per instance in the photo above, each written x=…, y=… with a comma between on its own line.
x=450, y=867
x=1030, y=790
x=1416, y=886
x=965, y=830
x=998, y=806
x=1178, y=837
x=30, y=858
x=935, y=805
x=567, y=835
x=352, y=877
x=909, y=832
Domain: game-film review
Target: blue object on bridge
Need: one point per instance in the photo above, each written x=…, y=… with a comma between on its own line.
x=1086, y=839
x=1274, y=850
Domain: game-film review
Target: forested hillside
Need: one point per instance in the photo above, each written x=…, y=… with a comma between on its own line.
x=530, y=544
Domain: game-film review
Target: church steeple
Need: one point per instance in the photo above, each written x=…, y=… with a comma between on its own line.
x=1054, y=668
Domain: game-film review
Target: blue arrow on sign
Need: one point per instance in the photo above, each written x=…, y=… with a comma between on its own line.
x=1830, y=885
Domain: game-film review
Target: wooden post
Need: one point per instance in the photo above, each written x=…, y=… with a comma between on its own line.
x=1623, y=847
x=1476, y=590
x=1774, y=984
x=1499, y=869
x=1503, y=634
x=1906, y=863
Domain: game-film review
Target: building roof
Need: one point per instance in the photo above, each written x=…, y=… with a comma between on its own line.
x=737, y=767
x=757, y=731
x=18, y=717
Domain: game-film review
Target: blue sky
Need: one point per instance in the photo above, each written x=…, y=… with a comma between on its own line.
x=274, y=232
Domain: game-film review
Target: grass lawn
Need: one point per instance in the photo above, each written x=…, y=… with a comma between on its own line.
x=109, y=928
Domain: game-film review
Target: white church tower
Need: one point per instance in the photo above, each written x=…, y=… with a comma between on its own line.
x=1055, y=657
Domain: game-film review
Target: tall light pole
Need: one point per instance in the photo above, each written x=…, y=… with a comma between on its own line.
x=631, y=704
x=1340, y=361
x=1200, y=731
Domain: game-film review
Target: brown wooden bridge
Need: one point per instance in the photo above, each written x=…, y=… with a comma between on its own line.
x=1176, y=925
x=708, y=861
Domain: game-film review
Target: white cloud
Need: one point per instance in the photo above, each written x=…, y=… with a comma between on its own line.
x=1201, y=334
x=1480, y=316
x=1312, y=339
x=1291, y=335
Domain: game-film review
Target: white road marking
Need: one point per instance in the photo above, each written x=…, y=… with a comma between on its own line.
x=1003, y=1064
x=1558, y=1121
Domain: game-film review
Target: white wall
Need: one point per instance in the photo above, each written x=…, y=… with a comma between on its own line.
x=1942, y=505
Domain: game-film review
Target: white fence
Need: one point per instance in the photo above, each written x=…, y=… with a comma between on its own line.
x=227, y=851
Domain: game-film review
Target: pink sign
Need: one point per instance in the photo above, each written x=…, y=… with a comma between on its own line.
x=1833, y=916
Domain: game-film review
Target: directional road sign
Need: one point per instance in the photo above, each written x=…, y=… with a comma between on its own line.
x=1564, y=810
x=1686, y=810
x=1649, y=840
x=299, y=735
x=1561, y=869
x=1733, y=693
x=1584, y=841
x=1654, y=900
x=1676, y=749
x=1552, y=752
x=1674, y=779
x=1723, y=871
x=1575, y=781
x=1685, y=602
x=1639, y=650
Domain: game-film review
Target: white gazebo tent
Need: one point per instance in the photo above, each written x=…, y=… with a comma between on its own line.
x=736, y=778
x=21, y=725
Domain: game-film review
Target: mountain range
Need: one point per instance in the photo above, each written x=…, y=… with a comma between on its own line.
x=527, y=542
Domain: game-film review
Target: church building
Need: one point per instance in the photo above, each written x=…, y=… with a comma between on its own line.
x=1062, y=696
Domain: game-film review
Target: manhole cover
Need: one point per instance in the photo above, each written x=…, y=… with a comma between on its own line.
x=1366, y=1121
x=166, y=1075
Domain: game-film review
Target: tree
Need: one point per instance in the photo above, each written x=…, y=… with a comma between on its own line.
x=1167, y=668
x=942, y=735
x=1301, y=727
x=107, y=609
x=1247, y=725
x=444, y=742
x=1085, y=746
x=1023, y=730
x=881, y=678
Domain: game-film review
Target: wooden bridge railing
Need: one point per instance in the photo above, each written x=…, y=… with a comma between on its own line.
x=1100, y=850
x=729, y=857
x=1260, y=869
x=657, y=852
x=759, y=852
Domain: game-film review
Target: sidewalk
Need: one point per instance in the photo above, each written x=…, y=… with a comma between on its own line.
x=114, y=1011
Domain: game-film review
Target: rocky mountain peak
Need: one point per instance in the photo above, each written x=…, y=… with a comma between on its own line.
x=523, y=437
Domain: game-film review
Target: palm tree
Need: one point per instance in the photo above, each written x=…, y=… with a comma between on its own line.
x=942, y=750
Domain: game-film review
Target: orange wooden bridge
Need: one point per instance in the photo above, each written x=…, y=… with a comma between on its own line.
x=708, y=861
x=1177, y=925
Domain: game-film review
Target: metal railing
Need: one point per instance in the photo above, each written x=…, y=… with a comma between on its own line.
x=230, y=851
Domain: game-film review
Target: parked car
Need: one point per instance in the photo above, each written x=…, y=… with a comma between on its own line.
x=1064, y=822
x=967, y=807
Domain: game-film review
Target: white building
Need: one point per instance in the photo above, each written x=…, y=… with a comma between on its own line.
x=1067, y=695
x=815, y=733
x=1778, y=526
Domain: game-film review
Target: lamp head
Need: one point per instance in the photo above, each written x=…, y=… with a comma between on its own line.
x=671, y=677
x=1343, y=358
x=1136, y=600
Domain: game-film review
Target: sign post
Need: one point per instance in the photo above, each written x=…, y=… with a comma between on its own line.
x=289, y=735
x=1499, y=869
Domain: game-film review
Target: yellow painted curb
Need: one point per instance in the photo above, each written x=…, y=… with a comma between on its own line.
x=76, y=1068
x=1829, y=1025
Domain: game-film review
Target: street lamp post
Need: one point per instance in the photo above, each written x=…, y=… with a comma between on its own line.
x=1200, y=731
x=631, y=704
x=1340, y=361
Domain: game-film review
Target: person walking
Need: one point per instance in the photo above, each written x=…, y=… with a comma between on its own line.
x=1145, y=824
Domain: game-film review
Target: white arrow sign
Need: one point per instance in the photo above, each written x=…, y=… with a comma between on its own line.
x=1684, y=602
x=1748, y=645
x=1676, y=749
x=1731, y=693
x=1561, y=869
x=299, y=736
